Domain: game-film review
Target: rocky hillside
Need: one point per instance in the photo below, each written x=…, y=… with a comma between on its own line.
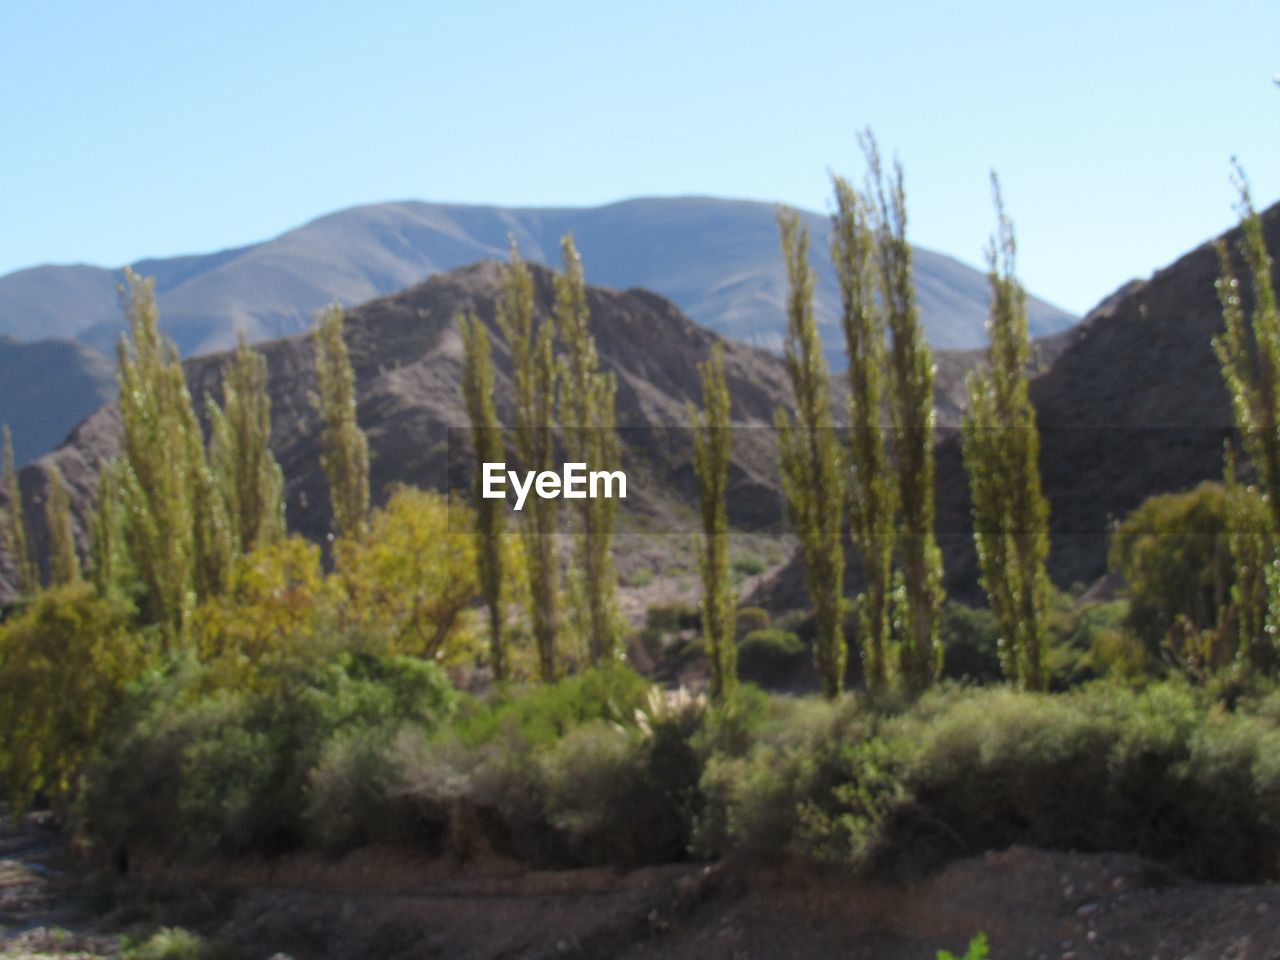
x=1130, y=403
x=408, y=362
x=48, y=386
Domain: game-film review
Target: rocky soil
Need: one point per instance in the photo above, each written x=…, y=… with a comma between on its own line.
x=386, y=905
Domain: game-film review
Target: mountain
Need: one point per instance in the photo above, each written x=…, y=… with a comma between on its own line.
x=1132, y=405
x=46, y=387
x=718, y=260
x=407, y=357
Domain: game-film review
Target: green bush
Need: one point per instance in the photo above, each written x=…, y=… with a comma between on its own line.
x=544, y=713
x=768, y=656
x=1158, y=772
x=231, y=770
x=583, y=771
x=750, y=619
x=174, y=943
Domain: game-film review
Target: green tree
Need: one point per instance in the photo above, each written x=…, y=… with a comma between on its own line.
x=344, y=453
x=247, y=476
x=870, y=493
x=1249, y=354
x=711, y=445
x=809, y=461
x=110, y=565
x=13, y=526
x=1181, y=576
x=64, y=562
x=534, y=372
x=477, y=388
x=912, y=416
x=587, y=416
x=177, y=534
x=1252, y=545
x=1001, y=449
x=411, y=579
x=64, y=665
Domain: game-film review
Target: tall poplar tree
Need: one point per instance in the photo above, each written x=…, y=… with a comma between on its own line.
x=247, y=475
x=344, y=452
x=176, y=530
x=1001, y=447
x=1249, y=355
x=477, y=388
x=587, y=416
x=13, y=525
x=912, y=416
x=810, y=465
x=64, y=563
x=110, y=566
x=711, y=446
x=870, y=486
x=534, y=371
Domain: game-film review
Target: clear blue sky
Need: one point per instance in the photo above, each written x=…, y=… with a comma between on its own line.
x=136, y=129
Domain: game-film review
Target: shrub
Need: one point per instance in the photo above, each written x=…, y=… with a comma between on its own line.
x=174, y=943
x=541, y=714
x=232, y=769
x=769, y=656
x=750, y=619
x=1174, y=553
x=65, y=662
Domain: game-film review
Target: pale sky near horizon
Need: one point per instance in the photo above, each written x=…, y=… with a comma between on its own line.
x=150, y=129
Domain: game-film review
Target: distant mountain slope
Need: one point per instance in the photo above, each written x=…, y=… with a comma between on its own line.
x=47, y=387
x=407, y=357
x=1133, y=405
x=718, y=260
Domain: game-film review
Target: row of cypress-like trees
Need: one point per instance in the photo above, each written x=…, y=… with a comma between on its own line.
x=882, y=481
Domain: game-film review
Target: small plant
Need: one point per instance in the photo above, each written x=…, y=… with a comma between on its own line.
x=769, y=655
x=174, y=943
x=977, y=950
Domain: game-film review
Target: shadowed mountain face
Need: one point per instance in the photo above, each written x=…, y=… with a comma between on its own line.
x=718, y=260
x=407, y=357
x=46, y=387
x=1132, y=405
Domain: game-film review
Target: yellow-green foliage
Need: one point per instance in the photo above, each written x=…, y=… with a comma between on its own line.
x=412, y=578
x=111, y=567
x=711, y=444
x=810, y=467
x=533, y=369
x=64, y=663
x=277, y=603
x=486, y=434
x=13, y=525
x=64, y=562
x=344, y=452
x=176, y=529
x=1174, y=553
x=912, y=415
x=1250, y=354
x=586, y=414
x=1001, y=450
x=870, y=492
x=247, y=475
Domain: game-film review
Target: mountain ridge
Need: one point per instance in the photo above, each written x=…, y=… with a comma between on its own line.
x=716, y=258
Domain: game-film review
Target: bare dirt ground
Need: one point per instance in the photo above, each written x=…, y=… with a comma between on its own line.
x=385, y=905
